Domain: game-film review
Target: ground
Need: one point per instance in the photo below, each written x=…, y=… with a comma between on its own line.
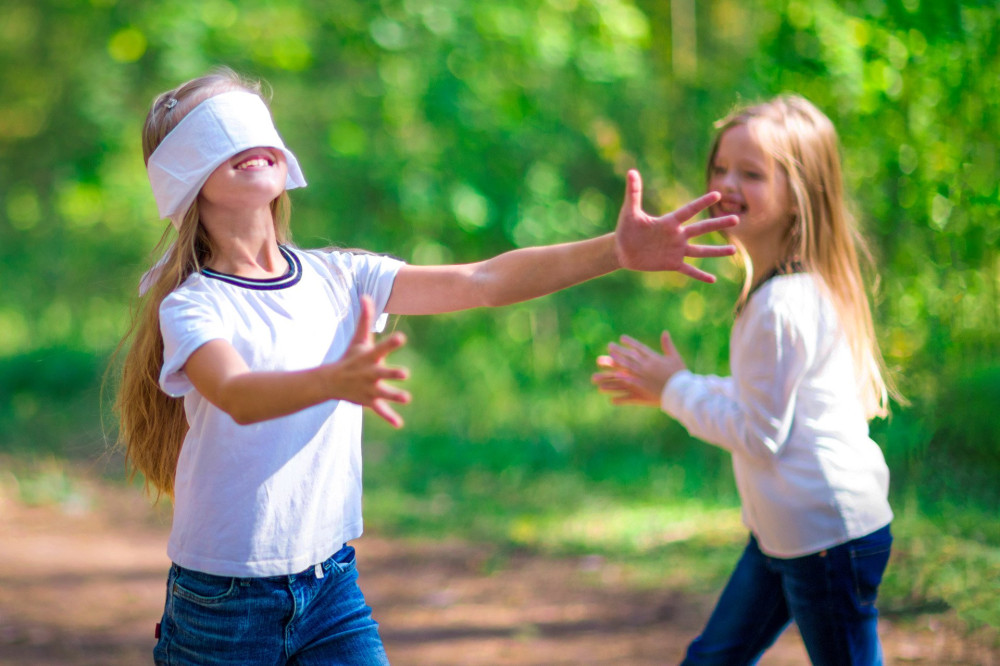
x=82, y=583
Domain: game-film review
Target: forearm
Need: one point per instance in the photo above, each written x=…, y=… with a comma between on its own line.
x=527, y=273
x=718, y=418
x=219, y=373
x=512, y=277
x=251, y=397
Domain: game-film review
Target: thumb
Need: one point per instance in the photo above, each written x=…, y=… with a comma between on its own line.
x=363, y=331
x=633, y=192
x=667, y=344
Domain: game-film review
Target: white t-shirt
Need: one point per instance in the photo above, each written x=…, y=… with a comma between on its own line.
x=275, y=497
x=808, y=474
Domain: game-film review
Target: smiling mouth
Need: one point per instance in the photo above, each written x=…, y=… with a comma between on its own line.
x=255, y=162
x=730, y=208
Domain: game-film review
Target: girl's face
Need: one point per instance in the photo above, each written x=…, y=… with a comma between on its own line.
x=251, y=179
x=753, y=187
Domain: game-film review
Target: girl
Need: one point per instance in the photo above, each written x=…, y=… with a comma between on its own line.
x=271, y=349
x=806, y=378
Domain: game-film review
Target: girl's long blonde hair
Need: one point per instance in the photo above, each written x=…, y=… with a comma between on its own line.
x=823, y=235
x=152, y=425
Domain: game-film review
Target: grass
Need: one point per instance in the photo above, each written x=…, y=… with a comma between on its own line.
x=48, y=481
x=666, y=511
x=672, y=528
x=946, y=554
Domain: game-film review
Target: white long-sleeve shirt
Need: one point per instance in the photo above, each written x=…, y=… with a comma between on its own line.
x=808, y=474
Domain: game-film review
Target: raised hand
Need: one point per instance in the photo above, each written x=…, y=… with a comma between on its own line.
x=362, y=369
x=646, y=243
x=636, y=374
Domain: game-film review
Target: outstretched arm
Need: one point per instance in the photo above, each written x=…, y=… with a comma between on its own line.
x=220, y=374
x=640, y=242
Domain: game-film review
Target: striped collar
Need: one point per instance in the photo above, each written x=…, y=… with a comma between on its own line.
x=289, y=279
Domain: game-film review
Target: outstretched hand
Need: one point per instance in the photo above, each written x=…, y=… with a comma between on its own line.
x=636, y=374
x=364, y=369
x=646, y=243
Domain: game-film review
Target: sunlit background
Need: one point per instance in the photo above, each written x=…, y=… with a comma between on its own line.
x=439, y=131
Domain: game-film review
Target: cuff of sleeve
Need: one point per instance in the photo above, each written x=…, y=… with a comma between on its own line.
x=673, y=391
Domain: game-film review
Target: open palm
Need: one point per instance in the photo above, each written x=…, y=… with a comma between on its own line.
x=647, y=243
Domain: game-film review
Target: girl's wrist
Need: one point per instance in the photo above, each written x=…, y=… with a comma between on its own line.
x=327, y=382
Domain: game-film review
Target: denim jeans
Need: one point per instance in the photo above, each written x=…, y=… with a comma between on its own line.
x=830, y=595
x=301, y=619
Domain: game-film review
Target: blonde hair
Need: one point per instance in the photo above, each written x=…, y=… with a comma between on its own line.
x=152, y=425
x=823, y=236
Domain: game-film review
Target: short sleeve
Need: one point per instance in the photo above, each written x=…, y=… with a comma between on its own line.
x=373, y=275
x=187, y=322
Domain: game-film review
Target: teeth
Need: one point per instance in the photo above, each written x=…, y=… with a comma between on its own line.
x=254, y=162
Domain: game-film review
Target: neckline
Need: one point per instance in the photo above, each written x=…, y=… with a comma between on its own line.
x=784, y=268
x=790, y=267
x=289, y=279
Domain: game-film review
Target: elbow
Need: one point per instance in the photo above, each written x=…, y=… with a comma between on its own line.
x=484, y=291
x=243, y=419
x=237, y=409
x=241, y=415
x=765, y=436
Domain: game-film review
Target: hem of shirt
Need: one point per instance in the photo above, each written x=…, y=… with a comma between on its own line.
x=821, y=546
x=265, y=568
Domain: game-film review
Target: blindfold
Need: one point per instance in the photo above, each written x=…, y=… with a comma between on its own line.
x=214, y=131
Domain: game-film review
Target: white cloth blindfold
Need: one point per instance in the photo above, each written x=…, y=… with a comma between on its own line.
x=214, y=131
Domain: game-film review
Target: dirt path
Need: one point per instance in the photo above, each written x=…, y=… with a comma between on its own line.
x=83, y=585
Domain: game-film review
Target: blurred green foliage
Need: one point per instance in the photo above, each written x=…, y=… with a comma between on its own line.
x=449, y=131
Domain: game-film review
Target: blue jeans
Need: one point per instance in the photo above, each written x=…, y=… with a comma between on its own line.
x=830, y=595
x=300, y=619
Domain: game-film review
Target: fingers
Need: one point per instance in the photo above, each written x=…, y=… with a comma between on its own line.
x=692, y=208
x=605, y=361
x=629, y=353
x=608, y=382
x=632, y=342
x=376, y=356
x=701, y=251
x=622, y=391
x=387, y=413
x=393, y=373
x=622, y=357
x=392, y=394
x=712, y=224
x=388, y=345
x=386, y=394
x=696, y=273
